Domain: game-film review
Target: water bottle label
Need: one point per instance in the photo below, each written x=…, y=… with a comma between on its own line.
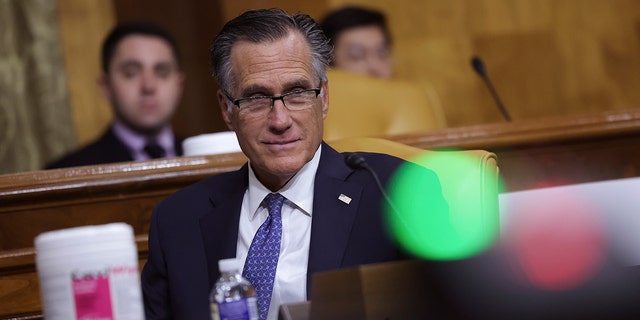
x=245, y=309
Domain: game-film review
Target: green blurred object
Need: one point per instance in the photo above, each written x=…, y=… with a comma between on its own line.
x=470, y=223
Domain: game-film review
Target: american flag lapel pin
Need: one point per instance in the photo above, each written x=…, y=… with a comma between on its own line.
x=342, y=197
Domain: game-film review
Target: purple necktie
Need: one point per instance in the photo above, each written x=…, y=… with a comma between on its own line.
x=262, y=258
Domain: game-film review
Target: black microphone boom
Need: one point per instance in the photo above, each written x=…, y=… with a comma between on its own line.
x=478, y=66
x=356, y=161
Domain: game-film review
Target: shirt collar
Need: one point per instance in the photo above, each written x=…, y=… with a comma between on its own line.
x=136, y=142
x=298, y=191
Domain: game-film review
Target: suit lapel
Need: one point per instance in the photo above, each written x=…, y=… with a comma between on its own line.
x=333, y=217
x=113, y=149
x=219, y=228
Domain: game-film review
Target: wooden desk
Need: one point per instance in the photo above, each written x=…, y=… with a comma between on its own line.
x=554, y=151
x=593, y=147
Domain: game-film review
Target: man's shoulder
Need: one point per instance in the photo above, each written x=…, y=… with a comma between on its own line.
x=105, y=149
x=382, y=161
x=219, y=185
x=381, y=157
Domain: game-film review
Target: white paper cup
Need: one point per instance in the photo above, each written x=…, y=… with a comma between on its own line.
x=211, y=143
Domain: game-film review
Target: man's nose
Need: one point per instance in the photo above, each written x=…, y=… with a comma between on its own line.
x=279, y=115
x=149, y=82
x=377, y=67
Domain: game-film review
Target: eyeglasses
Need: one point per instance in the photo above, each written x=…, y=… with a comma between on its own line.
x=260, y=105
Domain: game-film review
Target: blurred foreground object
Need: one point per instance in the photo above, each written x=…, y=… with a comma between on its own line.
x=89, y=272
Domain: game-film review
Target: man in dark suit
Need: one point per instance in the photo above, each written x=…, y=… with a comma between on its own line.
x=143, y=82
x=271, y=70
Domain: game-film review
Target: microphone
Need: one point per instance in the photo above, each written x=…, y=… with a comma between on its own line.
x=478, y=66
x=356, y=161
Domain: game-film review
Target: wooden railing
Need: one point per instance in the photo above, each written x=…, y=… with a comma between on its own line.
x=35, y=202
x=593, y=147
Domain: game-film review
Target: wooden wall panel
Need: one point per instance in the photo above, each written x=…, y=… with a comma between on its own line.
x=545, y=57
x=530, y=46
x=232, y=8
x=83, y=25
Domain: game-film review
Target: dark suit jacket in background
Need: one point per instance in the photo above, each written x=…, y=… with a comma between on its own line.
x=107, y=149
x=197, y=226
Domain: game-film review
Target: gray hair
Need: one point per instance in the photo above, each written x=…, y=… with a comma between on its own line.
x=264, y=25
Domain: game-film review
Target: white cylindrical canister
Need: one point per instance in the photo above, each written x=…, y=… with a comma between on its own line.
x=89, y=272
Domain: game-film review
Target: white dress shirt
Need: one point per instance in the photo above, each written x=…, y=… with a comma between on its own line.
x=136, y=142
x=290, y=283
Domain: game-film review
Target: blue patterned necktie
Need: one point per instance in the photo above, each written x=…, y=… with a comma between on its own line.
x=262, y=258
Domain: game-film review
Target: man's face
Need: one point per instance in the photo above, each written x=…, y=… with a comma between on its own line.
x=364, y=50
x=143, y=83
x=280, y=142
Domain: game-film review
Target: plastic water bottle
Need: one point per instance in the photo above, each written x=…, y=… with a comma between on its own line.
x=233, y=297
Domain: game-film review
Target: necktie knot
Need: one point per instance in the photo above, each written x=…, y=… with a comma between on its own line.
x=154, y=150
x=274, y=202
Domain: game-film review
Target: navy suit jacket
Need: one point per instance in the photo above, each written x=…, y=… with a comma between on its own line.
x=106, y=149
x=197, y=226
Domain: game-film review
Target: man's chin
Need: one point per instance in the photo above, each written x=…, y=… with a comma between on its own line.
x=288, y=165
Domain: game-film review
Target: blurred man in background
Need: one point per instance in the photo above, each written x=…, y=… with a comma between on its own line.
x=143, y=81
x=361, y=40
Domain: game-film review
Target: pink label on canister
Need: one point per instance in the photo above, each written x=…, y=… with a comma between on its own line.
x=92, y=297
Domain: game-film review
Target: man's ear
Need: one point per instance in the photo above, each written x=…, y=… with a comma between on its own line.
x=105, y=87
x=181, y=79
x=226, y=115
x=325, y=98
